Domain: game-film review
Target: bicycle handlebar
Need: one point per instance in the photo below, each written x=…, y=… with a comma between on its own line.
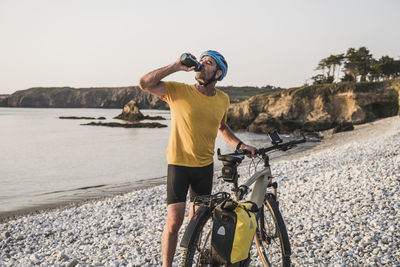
x=283, y=146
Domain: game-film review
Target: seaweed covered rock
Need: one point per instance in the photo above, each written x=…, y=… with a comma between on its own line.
x=128, y=125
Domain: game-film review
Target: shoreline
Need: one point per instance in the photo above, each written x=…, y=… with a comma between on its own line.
x=66, y=204
x=361, y=131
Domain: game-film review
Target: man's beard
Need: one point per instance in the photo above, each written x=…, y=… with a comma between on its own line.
x=201, y=78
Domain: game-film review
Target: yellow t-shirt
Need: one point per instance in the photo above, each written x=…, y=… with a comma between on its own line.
x=195, y=119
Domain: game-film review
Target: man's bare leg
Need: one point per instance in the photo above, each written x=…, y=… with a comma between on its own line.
x=175, y=216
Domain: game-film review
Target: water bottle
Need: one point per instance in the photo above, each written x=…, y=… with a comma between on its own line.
x=189, y=61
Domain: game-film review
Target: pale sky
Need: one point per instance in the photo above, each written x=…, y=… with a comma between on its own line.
x=92, y=43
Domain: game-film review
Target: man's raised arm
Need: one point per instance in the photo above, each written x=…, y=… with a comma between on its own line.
x=151, y=82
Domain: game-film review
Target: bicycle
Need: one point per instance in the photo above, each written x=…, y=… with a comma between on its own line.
x=271, y=237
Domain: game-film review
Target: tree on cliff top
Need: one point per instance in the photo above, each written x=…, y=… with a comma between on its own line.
x=358, y=63
x=330, y=64
x=358, y=66
x=386, y=68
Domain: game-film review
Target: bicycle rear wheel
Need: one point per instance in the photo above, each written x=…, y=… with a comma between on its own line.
x=198, y=252
x=271, y=238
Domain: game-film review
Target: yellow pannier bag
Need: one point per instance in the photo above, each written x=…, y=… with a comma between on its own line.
x=234, y=226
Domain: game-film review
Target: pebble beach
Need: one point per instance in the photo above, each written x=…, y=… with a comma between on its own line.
x=340, y=202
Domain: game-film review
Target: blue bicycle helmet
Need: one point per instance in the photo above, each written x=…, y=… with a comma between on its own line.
x=219, y=59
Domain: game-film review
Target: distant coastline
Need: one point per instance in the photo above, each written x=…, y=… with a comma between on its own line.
x=68, y=97
x=108, y=97
x=310, y=108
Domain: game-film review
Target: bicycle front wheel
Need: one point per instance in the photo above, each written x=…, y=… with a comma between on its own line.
x=271, y=238
x=198, y=252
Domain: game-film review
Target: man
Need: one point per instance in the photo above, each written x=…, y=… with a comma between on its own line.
x=198, y=112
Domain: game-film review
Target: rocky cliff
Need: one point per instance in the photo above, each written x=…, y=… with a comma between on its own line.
x=316, y=108
x=3, y=100
x=396, y=86
x=67, y=97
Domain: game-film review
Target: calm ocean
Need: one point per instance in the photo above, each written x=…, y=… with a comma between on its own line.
x=46, y=160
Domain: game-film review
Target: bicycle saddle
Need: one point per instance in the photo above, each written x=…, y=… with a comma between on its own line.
x=231, y=158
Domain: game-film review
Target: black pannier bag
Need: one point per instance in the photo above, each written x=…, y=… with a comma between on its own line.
x=234, y=226
x=229, y=171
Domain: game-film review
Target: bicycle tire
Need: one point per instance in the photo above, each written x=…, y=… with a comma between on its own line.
x=271, y=238
x=198, y=252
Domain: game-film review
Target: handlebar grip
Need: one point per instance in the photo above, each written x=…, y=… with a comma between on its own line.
x=245, y=151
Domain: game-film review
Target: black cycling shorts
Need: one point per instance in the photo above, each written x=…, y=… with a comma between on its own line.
x=181, y=178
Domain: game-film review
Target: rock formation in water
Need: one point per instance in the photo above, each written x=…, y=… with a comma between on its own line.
x=80, y=118
x=132, y=113
x=67, y=97
x=316, y=108
x=128, y=125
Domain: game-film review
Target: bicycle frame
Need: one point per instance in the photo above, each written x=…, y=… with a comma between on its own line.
x=262, y=180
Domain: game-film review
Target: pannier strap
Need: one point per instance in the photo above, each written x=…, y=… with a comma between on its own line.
x=228, y=204
x=247, y=211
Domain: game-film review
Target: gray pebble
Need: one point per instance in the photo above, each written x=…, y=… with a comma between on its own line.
x=19, y=237
x=63, y=257
x=72, y=263
x=5, y=235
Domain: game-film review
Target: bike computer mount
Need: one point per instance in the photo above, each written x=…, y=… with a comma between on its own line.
x=275, y=138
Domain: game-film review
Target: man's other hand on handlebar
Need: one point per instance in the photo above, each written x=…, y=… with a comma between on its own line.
x=252, y=149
